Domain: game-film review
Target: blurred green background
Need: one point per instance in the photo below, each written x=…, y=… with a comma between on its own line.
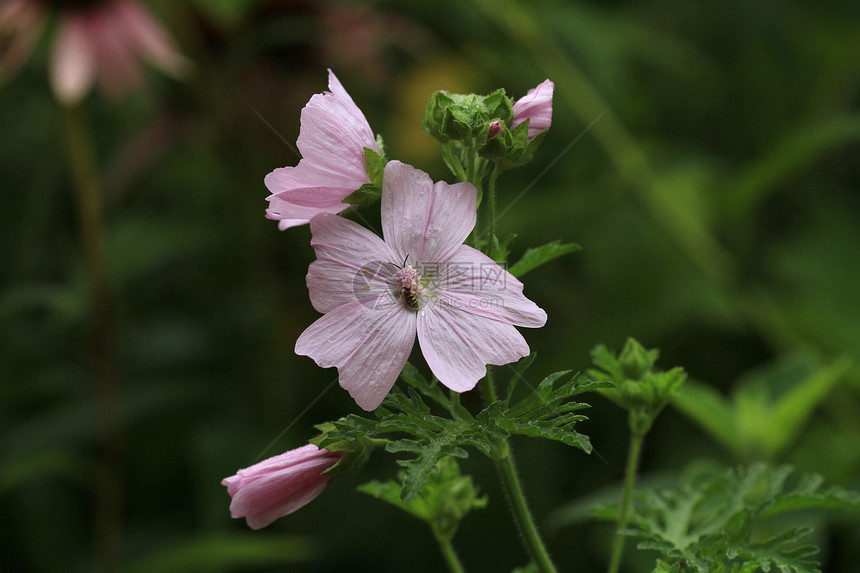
x=705, y=156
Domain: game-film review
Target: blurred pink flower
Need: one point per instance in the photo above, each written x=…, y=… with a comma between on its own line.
x=535, y=106
x=332, y=139
x=21, y=23
x=96, y=42
x=279, y=485
x=377, y=294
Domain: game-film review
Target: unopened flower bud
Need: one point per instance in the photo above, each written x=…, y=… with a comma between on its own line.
x=279, y=485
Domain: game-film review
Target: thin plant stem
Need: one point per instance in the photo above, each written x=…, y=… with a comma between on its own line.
x=624, y=511
x=514, y=492
x=471, y=163
x=491, y=204
x=450, y=555
x=108, y=486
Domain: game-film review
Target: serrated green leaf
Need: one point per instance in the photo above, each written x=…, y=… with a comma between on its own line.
x=712, y=523
x=443, y=501
x=534, y=258
x=544, y=413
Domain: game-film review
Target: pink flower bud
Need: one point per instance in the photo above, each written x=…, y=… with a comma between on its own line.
x=536, y=106
x=495, y=128
x=279, y=485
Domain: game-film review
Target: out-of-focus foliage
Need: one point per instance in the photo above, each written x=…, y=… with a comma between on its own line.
x=702, y=154
x=769, y=407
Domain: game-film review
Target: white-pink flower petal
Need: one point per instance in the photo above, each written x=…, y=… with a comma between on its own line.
x=332, y=139
x=423, y=220
x=292, y=215
x=348, y=265
x=536, y=106
x=279, y=485
x=458, y=345
x=477, y=284
x=369, y=345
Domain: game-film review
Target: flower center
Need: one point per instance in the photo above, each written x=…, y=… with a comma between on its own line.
x=408, y=286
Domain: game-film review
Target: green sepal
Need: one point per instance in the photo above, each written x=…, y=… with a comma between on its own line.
x=498, y=105
x=366, y=193
x=499, y=250
x=434, y=113
x=355, y=445
x=374, y=164
x=493, y=147
x=636, y=387
x=456, y=123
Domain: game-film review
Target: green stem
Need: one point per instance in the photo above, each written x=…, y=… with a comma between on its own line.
x=624, y=511
x=108, y=486
x=450, y=555
x=471, y=162
x=514, y=492
x=491, y=206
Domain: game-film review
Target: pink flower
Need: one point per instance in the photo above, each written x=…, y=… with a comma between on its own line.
x=377, y=294
x=535, y=106
x=332, y=139
x=279, y=485
x=99, y=42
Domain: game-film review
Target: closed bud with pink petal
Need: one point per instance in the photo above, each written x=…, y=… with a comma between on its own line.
x=279, y=485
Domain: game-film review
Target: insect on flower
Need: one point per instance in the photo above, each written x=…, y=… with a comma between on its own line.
x=460, y=304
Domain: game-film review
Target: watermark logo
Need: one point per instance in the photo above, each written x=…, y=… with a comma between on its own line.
x=464, y=285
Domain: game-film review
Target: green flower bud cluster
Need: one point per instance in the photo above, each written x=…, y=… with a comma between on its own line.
x=481, y=124
x=636, y=385
x=458, y=116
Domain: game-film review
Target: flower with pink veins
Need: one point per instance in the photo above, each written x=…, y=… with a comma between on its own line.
x=100, y=41
x=378, y=294
x=279, y=485
x=535, y=106
x=332, y=139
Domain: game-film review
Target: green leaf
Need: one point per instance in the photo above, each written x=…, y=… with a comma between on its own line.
x=443, y=501
x=534, y=258
x=546, y=412
x=427, y=435
x=715, y=522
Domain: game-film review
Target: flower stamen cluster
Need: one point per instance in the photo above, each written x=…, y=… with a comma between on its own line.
x=409, y=286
